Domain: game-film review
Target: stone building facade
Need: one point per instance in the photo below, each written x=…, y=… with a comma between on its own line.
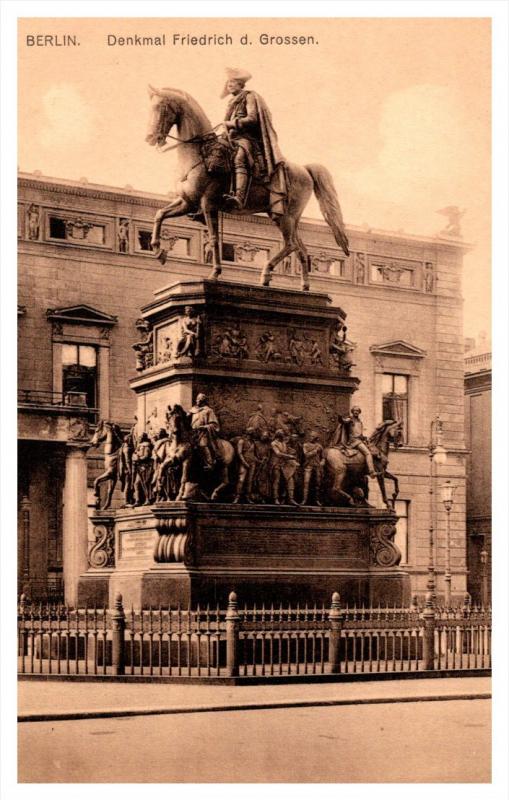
x=86, y=269
x=478, y=443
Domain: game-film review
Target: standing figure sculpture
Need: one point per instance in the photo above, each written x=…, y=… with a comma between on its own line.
x=125, y=469
x=264, y=183
x=143, y=469
x=162, y=478
x=314, y=463
x=284, y=465
x=246, y=454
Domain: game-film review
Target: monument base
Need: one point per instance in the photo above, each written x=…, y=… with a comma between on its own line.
x=189, y=553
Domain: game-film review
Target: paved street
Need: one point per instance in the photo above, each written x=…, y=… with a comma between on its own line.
x=394, y=742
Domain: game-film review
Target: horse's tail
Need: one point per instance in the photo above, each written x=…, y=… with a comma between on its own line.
x=328, y=201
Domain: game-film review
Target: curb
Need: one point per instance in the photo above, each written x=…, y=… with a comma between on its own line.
x=135, y=712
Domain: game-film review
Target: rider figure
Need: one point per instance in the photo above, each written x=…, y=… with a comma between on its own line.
x=350, y=434
x=206, y=426
x=249, y=125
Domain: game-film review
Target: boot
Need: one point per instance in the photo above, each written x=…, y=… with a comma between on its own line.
x=236, y=201
x=371, y=467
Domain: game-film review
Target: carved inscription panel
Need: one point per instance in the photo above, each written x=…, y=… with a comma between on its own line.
x=136, y=544
x=282, y=547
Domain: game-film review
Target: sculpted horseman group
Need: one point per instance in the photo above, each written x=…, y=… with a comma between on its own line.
x=272, y=462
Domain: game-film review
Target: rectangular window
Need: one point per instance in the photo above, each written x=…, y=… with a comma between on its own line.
x=79, y=372
x=395, y=400
x=338, y=268
x=228, y=252
x=401, y=537
x=144, y=238
x=56, y=228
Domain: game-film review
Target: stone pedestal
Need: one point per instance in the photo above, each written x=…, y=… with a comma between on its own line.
x=173, y=553
x=265, y=359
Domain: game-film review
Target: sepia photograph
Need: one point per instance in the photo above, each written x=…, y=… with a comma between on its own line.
x=253, y=389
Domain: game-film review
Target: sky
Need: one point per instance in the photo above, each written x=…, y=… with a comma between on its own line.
x=397, y=109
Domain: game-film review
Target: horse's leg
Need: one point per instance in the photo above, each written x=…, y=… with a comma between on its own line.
x=111, y=488
x=337, y=487
x=105, y=476
x=287, y=227
x=396, y=487
x=381, y=482
x=225, y=482
x=211, y=213
x=177, y=208
x=186, y=463
x=303, y=256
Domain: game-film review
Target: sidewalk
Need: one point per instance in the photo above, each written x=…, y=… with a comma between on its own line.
x=54, y=700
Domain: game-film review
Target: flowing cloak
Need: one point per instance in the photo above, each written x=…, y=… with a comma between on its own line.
x=341, y=435
x=272, y=156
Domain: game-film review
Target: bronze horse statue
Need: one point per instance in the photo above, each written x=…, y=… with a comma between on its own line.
x=200, y=190
x=350, y=470
x=109, y=433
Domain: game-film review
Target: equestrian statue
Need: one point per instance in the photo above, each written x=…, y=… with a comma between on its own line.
x=351, y=458
x=238, y=170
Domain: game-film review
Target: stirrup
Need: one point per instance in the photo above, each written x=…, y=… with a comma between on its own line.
x=233, y=202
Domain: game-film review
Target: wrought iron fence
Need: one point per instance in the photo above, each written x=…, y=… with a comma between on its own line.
x=251, y=642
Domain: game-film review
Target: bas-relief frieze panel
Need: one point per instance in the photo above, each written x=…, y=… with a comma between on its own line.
x=264, y=343
x=311, y=409
x=229, y=342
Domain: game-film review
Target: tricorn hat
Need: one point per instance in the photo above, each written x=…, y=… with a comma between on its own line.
x=237, y=75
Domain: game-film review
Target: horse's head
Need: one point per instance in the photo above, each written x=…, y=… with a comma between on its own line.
x=395, y=434
x=169, y=107
x=389, y=432
x=164, y=110
x=100, y=433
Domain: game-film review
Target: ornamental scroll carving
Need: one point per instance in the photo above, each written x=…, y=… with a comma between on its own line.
x=383, y=551
x=102, y=551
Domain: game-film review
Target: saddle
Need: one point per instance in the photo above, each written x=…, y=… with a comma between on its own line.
x=218, y=153
x=350, y=452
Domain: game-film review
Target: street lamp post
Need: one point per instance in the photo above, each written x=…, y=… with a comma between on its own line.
x=437, y=455
x=484, y=577
x=447, y=499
